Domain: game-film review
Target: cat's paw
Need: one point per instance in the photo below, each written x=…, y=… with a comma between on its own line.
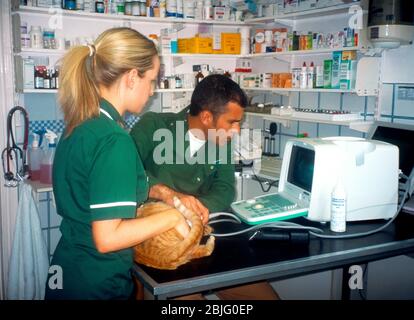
x=207, y=230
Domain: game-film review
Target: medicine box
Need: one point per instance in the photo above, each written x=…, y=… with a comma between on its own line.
x=231, y=43
x=336, y=64
x=348, y=70
x=28, y=73
x=327, y=74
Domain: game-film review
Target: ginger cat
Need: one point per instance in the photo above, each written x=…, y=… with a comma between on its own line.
x=169, y=249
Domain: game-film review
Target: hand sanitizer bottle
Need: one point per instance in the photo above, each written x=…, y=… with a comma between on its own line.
x=338, y=208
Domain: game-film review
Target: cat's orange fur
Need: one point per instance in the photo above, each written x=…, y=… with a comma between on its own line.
x=169, y=249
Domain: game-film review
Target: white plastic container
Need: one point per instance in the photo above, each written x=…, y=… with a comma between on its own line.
x=304, y=77
x=189, y=9
x=338, y=208
x=36, y=37
x=180, y=9
x=207, y=10
x=198, y=10
x=35, y=158
x=171, y=8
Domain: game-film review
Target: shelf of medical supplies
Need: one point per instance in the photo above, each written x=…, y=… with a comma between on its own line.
x=174, y=90
x=156, y=90
x=312, y=13
x=111, y=17
x=39, y=187
x=357, y=125
x=317, y=13
x=39, y=90
x=202, y=55
x=40, y=52
x=282, y=90
x=300, y=52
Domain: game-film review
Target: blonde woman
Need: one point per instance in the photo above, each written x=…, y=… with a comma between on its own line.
x=96, y=167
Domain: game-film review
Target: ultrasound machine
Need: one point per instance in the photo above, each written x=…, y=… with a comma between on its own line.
x=370, y=170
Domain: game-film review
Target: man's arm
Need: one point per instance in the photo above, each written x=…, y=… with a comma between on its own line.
x=222, y=190
x=166, y=194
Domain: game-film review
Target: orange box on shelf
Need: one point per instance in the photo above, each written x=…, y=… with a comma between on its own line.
x=230, y=43
x=200, y=45
x=182, y=45
x=275, y=80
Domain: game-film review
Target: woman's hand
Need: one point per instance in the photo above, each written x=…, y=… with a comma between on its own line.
x=182, y=226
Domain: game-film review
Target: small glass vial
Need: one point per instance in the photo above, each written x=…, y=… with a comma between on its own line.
x=46, y=80
x=39, y=78
x=178, y=82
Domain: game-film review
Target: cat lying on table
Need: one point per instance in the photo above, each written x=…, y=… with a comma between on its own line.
x=169, y=249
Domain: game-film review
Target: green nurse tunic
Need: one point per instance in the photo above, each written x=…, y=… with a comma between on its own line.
x=97, y=175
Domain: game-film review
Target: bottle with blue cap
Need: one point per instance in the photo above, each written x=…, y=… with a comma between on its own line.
x=47, y=159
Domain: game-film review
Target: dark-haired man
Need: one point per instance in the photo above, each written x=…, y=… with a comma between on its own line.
x=189, y=155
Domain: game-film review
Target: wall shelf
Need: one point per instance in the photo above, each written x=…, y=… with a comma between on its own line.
x=174, y=90
x=50, y=91
x=286, y=90
x=40, y=91
x=40, y=52
x=317, y=13
x=300, y=52
x=201, y=55
x=112, y=17
x=357, y=125
x=312, y=13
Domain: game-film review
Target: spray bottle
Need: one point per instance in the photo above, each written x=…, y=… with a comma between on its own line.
x=338, y=207
x=35, y=158
x=47, y=159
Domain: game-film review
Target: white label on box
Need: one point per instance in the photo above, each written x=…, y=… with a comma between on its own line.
x=217, y=41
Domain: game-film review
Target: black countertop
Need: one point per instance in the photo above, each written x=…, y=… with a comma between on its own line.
x=236, y=260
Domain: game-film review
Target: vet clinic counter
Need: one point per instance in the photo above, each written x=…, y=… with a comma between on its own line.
x=236, y=260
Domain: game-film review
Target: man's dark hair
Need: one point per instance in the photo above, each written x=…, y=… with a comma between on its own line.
x=213, y=93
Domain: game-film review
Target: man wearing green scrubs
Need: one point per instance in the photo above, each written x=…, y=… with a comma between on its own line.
x=194, y=161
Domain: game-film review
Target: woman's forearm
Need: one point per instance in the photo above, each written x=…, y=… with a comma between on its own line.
x=117, y=234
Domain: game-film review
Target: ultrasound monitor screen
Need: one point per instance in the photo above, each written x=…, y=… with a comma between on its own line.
x=403, y=139
x=301, y=167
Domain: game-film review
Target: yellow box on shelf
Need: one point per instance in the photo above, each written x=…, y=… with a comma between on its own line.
x=200, y=45
x=230, y=43
x=183, y=45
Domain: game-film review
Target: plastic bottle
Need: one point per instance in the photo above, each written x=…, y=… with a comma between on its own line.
x=47, y=159
x=171, y=8
x=36, y=37
x=207, y=10
x=311, y=76
x=180, y=9
x=304, y=76
x=35, y=157
x=338, y=208
x=199, y=10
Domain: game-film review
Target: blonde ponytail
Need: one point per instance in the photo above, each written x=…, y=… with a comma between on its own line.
x=85, y=68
